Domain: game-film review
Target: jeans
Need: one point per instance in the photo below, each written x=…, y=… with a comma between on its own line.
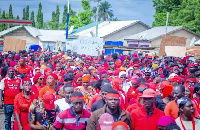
x=8, y=111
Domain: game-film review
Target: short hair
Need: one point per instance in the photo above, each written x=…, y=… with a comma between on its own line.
x=196, y=87
x=182, y=88
x=77, y=94
x=112, y=91
x=67, y=86
x=68, y=77
x=98, y=84
x=172, y=126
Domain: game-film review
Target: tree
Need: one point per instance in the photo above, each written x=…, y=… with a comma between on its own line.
x=184, y=13
x=86, y=15
x=3, y=26
x=27, y=12
x=24, y=14
x=52, y=24
x=39, y=23
x=17, y=17
x=10, y=12
x=57, y=16
x=33, y=18
x=105, y=12
x=72, y=15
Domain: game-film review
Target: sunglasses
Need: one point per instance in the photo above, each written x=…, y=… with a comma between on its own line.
x=41, y=78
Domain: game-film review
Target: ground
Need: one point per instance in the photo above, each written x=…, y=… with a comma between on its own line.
x=1, y=120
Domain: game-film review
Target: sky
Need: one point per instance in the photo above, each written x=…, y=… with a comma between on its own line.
x=124, y=10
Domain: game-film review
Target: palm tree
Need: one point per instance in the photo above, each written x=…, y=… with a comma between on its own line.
x=105, y=13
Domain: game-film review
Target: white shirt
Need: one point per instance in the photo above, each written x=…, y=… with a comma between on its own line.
x=188, y=124
x=63, y=105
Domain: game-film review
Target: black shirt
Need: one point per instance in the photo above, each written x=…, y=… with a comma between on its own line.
x=97, y=105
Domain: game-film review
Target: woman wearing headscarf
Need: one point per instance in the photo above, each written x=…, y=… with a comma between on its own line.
x=133, y=90
x=38, y=81
x=117, y=84
x=87, y=90
x=122, y=76
x=186, y=120
x=77, y=80
x=22, y=103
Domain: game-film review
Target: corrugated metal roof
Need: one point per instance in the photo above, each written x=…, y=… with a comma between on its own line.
x=106, y=28
x=154, y=33
x=85, y=27
x=31, y=30
x=52, y=35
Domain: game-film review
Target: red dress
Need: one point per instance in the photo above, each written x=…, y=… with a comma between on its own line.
x=21, y=106
x=197, y=102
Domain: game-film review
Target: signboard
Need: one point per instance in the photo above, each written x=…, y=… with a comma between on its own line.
x=89, y=45
x=168, y=40
x=11, y=44
x=176, y=51
x=193, y=51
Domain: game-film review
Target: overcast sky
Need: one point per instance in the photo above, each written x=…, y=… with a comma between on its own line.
x=123, y=9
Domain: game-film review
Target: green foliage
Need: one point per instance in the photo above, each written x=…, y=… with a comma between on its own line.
x=184, y=13
x=27, y=12
x=33, y=18
x=10, y=12
x=39, y=23
x=3, y=26
x=17, y=17
x=105, y=12
x=24, y=14
x=57, y=16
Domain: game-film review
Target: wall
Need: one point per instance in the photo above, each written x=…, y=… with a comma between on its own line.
x=23, y=35
x=180, y=33
x=120, y=35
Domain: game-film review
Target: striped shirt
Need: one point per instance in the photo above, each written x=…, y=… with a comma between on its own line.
x=67, y=120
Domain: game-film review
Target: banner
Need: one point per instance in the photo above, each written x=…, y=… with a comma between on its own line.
x=176, y=51
x=168, y=40
x=11, y=44
x=90, y=45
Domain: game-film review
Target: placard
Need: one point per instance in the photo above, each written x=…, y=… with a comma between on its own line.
x=168, y=40
x=89, y=45
x=11, y=44
x=176, y=51
x=193, y=51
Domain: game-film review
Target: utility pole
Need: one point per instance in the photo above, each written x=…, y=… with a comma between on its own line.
x=97, y=16
x=167, y=22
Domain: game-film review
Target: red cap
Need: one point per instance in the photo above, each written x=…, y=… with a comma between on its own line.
x=54, y=76
x=106, y=121
x=120, y=123
x=48, y=99
x=149, y=93
x=175, y=79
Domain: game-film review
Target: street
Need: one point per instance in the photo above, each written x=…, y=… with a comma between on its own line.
x=1, y=120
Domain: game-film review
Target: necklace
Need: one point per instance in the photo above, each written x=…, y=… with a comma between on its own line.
x=193, y=124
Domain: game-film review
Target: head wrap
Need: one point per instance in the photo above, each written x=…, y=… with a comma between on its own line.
x=112, y=93
x=26, y=79
x=165, y=120
x=175, y=78
x=17, y=57
x=77, y=95
x=47, y=69
x=120, y=123
x=102, y=72
x=182, y=101
x=115, y=83
x=155, y=66
x=36, y=77
x=13, y=64
x=135, y=78
x=54, y=76
x=167, y=90
x=86, y=78
x=122, y=73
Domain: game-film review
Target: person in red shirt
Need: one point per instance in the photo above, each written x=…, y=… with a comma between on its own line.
x=11, y=86
x=74, y=118
x=23, y=68
x=197, y=98
x=22, y=103
x=147, y=117
x=38, y=81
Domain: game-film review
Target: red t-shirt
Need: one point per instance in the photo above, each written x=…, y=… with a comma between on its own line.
x=140, y=121
x=36, y=89
x=11, y=88
x=197, y=102
x=24, y=69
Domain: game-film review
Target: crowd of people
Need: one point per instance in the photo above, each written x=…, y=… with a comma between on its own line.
x=46, y=90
